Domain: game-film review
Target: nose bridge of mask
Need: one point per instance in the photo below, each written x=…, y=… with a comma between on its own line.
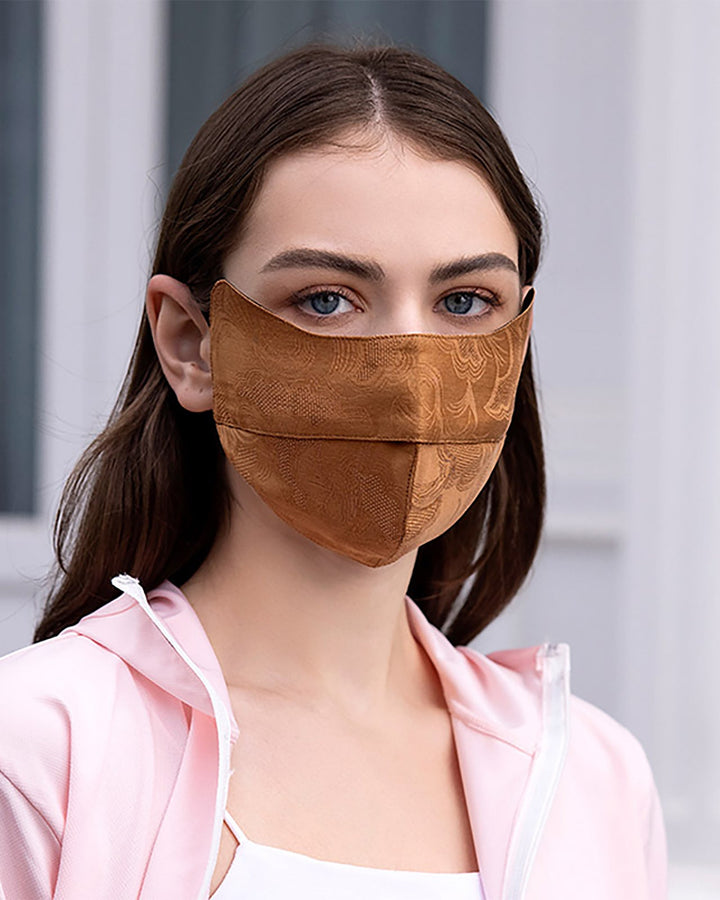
x=271, y=377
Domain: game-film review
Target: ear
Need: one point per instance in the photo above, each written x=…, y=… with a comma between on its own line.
x=182, y=341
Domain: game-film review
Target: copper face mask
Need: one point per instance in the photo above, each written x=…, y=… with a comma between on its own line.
x=368, y=445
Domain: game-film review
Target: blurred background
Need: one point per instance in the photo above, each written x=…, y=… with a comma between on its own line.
x=612, y=110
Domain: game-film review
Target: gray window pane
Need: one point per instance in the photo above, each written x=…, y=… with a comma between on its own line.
x=215, y=44
x=20, y=24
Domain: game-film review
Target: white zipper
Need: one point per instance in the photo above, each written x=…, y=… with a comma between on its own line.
x=130, y=585
x=546, y=769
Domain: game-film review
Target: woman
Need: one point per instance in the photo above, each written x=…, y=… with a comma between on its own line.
x=330, y=404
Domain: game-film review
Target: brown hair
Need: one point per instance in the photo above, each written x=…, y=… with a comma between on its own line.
x=148, y=496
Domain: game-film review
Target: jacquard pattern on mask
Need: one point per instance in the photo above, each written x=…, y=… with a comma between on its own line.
x=422, y=387
x=364, y=485
x=369, y=446
x=445, y=483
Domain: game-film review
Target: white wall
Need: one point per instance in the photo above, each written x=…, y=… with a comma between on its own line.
x=612, y=108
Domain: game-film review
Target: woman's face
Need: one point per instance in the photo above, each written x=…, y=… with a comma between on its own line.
x=378, y=241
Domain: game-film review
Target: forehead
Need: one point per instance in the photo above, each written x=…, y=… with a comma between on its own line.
x=378, y=199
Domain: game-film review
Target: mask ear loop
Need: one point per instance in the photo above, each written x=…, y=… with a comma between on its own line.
x=528, y=300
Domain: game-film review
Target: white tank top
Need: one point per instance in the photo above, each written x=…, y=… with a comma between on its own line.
x=268, y=873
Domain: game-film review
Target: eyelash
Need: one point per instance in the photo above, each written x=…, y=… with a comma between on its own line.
x=492, y=300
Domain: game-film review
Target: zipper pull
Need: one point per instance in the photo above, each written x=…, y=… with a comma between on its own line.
x=130, y=585
x=119, y=581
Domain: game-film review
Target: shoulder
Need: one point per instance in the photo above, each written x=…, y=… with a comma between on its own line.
x=90, y=751
x=608, y=751
x=52, y=700
x=609, y=792
x=45, y=679
x=606, y=804
x=597, y=742
x=46, y=689
x=63, y=675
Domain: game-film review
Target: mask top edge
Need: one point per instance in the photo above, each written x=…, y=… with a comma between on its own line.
x=518, y=322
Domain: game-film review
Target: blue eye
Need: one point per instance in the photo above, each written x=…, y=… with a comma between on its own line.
x=322, y=303
x=328, y=304
x=461, y=302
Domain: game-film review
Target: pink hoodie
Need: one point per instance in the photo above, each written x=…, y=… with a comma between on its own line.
x=115, y=740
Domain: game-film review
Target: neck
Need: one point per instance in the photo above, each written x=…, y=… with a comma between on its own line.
x=286, y=615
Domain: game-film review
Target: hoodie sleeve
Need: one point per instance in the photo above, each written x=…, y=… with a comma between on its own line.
x=611, y=777
x=29, y=849
x=34, y=741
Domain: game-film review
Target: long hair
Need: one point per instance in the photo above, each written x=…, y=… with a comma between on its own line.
x=149, y=495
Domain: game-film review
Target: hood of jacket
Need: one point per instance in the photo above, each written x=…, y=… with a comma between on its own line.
x=500, y=706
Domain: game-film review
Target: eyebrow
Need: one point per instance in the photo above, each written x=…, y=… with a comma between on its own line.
x=307, y=258
x=484, y=262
